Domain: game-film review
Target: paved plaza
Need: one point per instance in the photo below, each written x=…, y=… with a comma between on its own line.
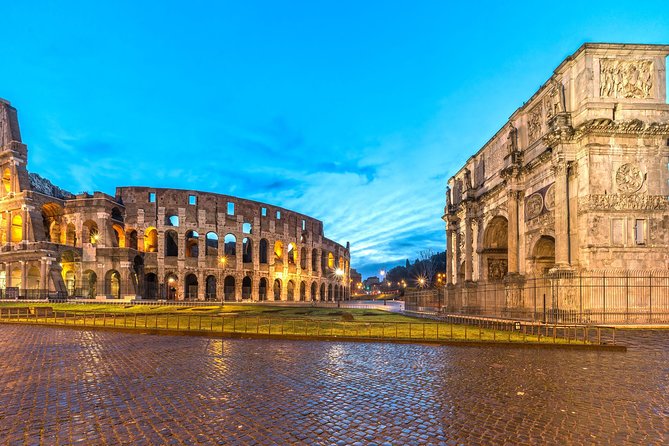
x=65, y=386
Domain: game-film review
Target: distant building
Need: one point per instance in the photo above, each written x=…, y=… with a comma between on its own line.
x=356, y=280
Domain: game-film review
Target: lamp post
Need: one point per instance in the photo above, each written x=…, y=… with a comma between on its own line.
x=222, y=261
x=339, y=274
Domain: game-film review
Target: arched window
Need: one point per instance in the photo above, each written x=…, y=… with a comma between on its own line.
x=331, y=261
x=278, y=251
x=230, y=245
x=131, y=240
x=151, y=240
x=119, y=236
x=303, y=291
x=314, y=260
x=290, y=290
x=70, y=235
x=17, y=228
x=211, y=244
x=262, y=252
x=277, y=289
x=171, y=244
x=113, y=284
x=303, y=258
x=172, y=284
x=247, y=250
x=246, y=287
x=151, y=286
x=229, y=288
x=262, y=289
x=292, y=252
x=91, y=233
x=314, y=291
x=210, y=288
x=190, y=287
x=191, y=244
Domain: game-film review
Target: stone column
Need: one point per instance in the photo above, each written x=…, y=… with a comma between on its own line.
x=8, y=214
x=469, y=265
x=561, y=214
x=449, y=255
x=512, y=232
x=43, y=278
x=24, y=275
x=457, y=257
x=8, y=275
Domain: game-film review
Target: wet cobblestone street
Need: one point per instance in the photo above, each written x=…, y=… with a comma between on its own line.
x=63, y=386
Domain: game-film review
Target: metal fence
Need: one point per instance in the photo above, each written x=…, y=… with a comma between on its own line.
x=617, y=298
x=448, y=329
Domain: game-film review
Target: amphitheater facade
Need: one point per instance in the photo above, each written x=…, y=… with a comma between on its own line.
x=154, y=243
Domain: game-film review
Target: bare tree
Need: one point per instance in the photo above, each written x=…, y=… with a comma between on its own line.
x=426, y=267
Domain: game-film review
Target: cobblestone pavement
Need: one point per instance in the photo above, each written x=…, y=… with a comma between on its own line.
x=62, y=386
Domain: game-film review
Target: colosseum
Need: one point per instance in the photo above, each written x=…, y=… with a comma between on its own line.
x=151, y=243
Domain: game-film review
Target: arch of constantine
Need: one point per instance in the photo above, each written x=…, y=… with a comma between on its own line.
x=574, y=185
x=155, y=243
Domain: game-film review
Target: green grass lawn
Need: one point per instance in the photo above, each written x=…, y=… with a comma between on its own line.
x=272, y=320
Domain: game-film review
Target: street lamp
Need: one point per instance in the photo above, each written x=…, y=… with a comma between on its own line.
x=222, y=261
x=339, y=274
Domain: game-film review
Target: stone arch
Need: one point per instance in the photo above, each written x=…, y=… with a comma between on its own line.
x=322, y=292
x=210, y=288
x=229, y=288
x=247, y=250
x=314, y=260
x=292, y=253
x=171, y=243
x=303, y=291
x=51, y=217
x=191, y=244
x=277, y=289
x=278, y=251
x=247, y=287
x=262, y=251
x=151, y=286
x=116, y=214
x=543, y=255
x=33, y=278
x=113, y=284
x=314, y=291
x=290, y=290
x=171, y=286
x=119, y=236
x=131, y=239
x=211, y=244
x=89, y=284
x=230, y=242
x=70, y=235
x=16, y=277
x=331, y=260
x=190, y=287
x=495, y=250
x=151, y=239
x=90, y=232
x=330, y=292
x=262, y=289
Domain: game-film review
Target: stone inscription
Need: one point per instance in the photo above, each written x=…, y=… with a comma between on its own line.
x=617, y=202
x=629, y=178
x=625, y=78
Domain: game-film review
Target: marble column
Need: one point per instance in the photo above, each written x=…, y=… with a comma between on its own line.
x=449, y=256
x=561, y=214
x=512, y=232
x=469, y=260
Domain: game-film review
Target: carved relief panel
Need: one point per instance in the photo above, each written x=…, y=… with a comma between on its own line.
x=629, y=178
x=497, y=269
x=625, y=78
x=534, y=122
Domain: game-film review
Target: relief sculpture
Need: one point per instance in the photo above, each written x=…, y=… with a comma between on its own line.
x=534, y=123
x=625, y=78
x=497, y=269
x=629, y=178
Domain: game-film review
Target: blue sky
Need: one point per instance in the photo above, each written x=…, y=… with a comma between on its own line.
x=352, y=112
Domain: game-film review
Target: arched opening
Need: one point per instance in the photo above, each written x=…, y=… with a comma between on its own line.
x=314, y=260
x=211, y=244
x=292, y=253
x=32, y=279
x=151, y=240
x=210, y=288
x=336, y=292
x=322, y=293
x=341, y=263
x=70, y=235
x=151, y=286
x=89, y=284
x=314, y=291
x=190, y=287
x=330, y=292
x=16, y=276
x=131, y=239
x=51, y=216
x=230, y=244
x=17, y=229
x=495, y=251
x=324, y=261
x=278, y=251
x=331, y=261
x=247, y=250
x=171, y=244
x=303, y=258
x=191, y=244
x=543, y=255
x=119, y=236
x=90, y=234
x=229, y=289
x=262, y=252
x=113, y=284
x=7, y=180
x=303, y=291
x=277, y=289
x=246, y=287
x=138, y=274
x=171, y=286
x=172, y=220
x=117, y=215
x=290, y=291
x=70, y=281
x=262, y=289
